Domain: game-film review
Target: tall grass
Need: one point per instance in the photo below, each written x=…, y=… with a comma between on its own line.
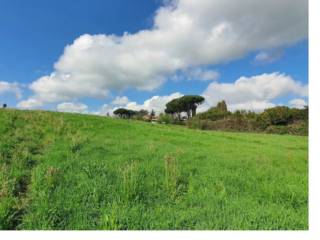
x=71, y=171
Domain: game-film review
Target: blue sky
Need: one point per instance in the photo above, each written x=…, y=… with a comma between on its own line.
x=33, y=35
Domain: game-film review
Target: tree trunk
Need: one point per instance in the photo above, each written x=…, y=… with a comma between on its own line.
x=188, y=114
x=194, y=112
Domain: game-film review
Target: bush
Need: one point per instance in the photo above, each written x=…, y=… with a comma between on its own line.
x=228, y=124
x=165, y=118
x=216, y=113
x=277, y=129
x=275, y=120
x=280, y=115
x=299, y=114
x=198, y=123
x=278, y=120
x=140, y=115
x=213, y=114
x=299, y=128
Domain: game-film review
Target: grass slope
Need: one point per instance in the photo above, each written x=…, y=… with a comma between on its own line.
x=70, y=171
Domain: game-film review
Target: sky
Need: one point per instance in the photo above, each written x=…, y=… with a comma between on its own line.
x=93, y=56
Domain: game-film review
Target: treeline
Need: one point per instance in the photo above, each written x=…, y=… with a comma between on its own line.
x=137, y=115
x=187, y=104
x=278, y=120
x=183, y=111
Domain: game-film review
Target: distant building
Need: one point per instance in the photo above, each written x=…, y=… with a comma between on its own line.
x=150, y=118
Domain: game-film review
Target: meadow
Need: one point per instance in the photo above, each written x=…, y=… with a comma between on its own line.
x=72, y=171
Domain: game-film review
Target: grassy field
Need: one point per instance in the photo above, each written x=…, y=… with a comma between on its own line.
x=71, y=171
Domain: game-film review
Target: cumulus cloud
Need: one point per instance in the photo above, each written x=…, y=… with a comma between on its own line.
x=7, y=87
x=254, y=93
x=106, y=109
x=185, y=33
x=298, y=103
x=30, y=103
x=120, y=100
x=156, y=103
x=72, y=107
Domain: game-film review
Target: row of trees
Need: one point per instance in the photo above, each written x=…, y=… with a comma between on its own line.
x=280, y=119
x=187, y=104
x=128, y=113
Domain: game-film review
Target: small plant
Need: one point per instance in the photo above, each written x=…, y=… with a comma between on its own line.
x=77, y=142
x=53, y=176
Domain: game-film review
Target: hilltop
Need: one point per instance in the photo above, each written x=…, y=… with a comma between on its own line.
x=72, y=171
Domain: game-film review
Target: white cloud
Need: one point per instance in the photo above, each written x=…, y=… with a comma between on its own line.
x=268, y=56
x=156, y=103
x=120, y=100
x=72, y=107
x=7, y=87
x=185, y=33
x=30, y=103
x=253, y=93
x=105, y=110
x=197, y=73
x=257, y=106
x=298, y=103
x=208, y=75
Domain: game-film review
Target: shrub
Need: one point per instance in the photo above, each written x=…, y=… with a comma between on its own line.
x=298, y=128
x=216, y=113
x=280, y=115
x=165, y=118
x=279, y=120
x=141, y=115
x=277, y=129
x=299, y=114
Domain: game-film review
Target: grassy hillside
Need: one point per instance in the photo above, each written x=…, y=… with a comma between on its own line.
x=70, y=171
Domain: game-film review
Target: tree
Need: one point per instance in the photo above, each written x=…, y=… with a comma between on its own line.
x=4, y=105
x=222, y=106
x=152, y=114
x=300, y=114
x=190, y=103
x=121, y=112
x=216, y=113
x=280, y=115
x=131, y=113
x=174, y=107
x=187, y=103
x=140, y=114
x=124, y=113
x=143, y=112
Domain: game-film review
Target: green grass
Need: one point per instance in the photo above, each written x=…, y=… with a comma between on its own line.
x=71, y=171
